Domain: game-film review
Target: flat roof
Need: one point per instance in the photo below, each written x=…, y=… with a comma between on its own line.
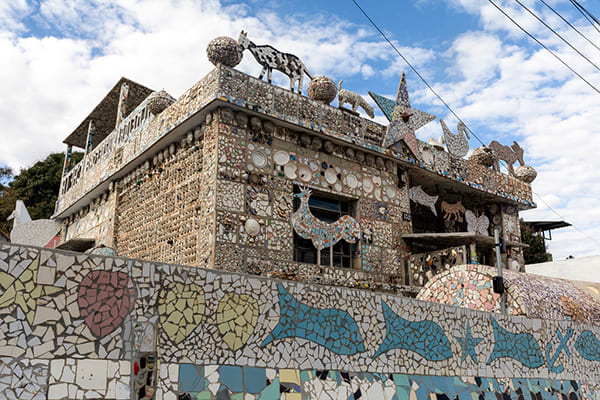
x=540, y=226
x=104, y=114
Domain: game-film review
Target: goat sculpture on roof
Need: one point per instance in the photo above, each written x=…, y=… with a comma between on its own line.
x=271, y=58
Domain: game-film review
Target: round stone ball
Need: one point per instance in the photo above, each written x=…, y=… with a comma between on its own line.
x=322, y=88
x=158, y=101
x=224, y=50
x=525, y=173
x=482, y=156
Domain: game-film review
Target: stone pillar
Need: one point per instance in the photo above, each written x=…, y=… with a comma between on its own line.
x=122, y=105
x=67, y=163
x=90, y=136
x=473, y=253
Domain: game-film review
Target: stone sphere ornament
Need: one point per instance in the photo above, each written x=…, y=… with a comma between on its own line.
x=158, y=101
x=525, y=173
x=322, y=88
x=224, y=50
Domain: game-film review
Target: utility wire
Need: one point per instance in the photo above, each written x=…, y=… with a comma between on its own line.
x=417, y=72
x=564, y=219
x=544, y=46
x=556, y=33
x=452, y=111
x=587, y=15
x=571, y=25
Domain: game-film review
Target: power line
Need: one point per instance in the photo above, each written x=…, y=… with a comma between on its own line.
x=571, y=25
x=564, y=219
x=587, y=15
x=452, y=111
x=544, y=46
x=417, y=72
x=556, y=33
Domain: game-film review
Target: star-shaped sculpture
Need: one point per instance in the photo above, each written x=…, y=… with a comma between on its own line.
x=468, y=345
x=404, y=120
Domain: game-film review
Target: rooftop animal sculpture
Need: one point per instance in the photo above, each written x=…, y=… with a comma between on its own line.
x=418, y=195
x=321, y=233
x=457, y=144
x=439, y=143
x=354, y=99
x=28, y=232
x=453, y=210
x=271, y=58
x=510, y=154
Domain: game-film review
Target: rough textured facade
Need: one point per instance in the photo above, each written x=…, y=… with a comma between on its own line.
x=213, y=181
x=78, y=326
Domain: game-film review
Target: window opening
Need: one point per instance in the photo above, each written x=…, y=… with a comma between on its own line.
x=328, y=208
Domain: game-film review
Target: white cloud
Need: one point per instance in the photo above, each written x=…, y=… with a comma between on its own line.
x=504, y=88
x=55, y=81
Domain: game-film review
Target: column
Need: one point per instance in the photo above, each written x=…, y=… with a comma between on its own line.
x=122, y=105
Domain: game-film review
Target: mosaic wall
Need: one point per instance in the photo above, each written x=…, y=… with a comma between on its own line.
x=86, y=326
x=95, y=222
x=157, y=217
x=534, y=296
x=239, y=89
x=232, y=382
x=259, y=164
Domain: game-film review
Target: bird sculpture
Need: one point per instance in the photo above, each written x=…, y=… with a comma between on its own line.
x=322, y=234
x=38, y=232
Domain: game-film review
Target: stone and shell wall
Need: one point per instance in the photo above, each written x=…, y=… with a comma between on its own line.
x=236, y=88
x=534, y=296
x=84, y=326
x=191, y=204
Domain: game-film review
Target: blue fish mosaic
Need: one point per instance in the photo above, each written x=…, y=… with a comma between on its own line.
x=425, y=338
x=331, y=328
x=519, y=346
x=588, y=346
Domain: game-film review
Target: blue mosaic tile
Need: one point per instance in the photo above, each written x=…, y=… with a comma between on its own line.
x=425, y=338
x=521, y=347
x=588, y=346
x=331, y=328
x=191, y=378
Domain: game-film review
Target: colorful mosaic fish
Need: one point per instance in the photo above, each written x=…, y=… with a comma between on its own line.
x=519, y=346
x=425, y=338
x=588, y=346
x=331, y=328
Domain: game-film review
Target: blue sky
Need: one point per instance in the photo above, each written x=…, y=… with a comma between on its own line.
x=58, y=58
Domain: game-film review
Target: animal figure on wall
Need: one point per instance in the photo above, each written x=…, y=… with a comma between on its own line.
x=453, y=210
x=477, y=224
x=321, y=233
x=271, y=58
x=418, y=195
x=38, y=232
x=354, y=99
x=510, y=154
x=457, y=144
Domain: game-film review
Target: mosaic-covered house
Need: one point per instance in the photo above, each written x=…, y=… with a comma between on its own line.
x=242, y=175
x=241, y=178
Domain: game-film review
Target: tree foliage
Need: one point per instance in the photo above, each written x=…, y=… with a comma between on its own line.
x=37, y=186
x=536, y=252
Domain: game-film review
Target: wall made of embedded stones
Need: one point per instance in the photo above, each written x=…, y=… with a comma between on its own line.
x=94, y=222
x=80, y=326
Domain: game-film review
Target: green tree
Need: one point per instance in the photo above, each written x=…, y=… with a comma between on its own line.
x=6, y=198
x=37, y=186
x=536, y=252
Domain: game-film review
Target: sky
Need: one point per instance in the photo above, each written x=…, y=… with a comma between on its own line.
x=58, y=58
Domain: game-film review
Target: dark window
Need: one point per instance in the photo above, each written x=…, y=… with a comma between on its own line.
x=327, y=208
